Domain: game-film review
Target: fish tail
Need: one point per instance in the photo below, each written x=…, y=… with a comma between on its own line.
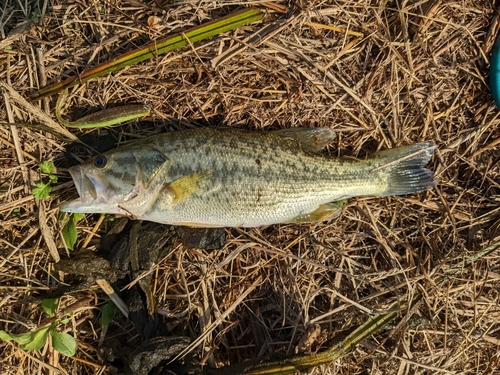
x=405, y=168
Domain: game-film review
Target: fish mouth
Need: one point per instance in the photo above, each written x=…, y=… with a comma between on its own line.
x=92, y=191
x=84, y=185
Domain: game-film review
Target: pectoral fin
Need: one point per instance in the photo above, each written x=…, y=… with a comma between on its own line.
x=311, y=139
x=188, y=185
x=322, y=213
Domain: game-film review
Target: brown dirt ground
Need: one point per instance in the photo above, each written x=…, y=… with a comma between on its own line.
x=419, y=72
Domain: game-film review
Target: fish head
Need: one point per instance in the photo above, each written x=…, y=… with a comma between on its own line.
x=109, y=180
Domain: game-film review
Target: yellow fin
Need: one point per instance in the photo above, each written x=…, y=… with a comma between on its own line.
x=322, y=213
x=188, y=185
x=314, y=139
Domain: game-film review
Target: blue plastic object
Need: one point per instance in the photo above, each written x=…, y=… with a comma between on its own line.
x=495, y=71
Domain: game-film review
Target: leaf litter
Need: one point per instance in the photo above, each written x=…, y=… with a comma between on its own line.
x=381, y=74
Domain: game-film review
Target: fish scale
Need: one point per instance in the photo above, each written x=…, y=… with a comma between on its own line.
x=237, y=178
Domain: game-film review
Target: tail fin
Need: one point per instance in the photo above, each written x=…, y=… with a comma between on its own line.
x=405, y=170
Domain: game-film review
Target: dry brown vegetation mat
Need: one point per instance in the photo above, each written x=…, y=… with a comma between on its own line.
x=394, y=73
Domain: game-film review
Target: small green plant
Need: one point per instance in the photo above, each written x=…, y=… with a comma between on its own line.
x=35, y=14
x=342, y=203
x=108, y=312
x=43, y=189
x=69, y=232
x=35, y=340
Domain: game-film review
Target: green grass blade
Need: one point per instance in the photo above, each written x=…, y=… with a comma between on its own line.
x=156, y=48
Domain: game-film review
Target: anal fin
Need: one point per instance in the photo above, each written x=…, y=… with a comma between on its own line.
x=322, y=213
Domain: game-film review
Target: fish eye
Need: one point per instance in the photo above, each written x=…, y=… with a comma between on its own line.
x=100, y=161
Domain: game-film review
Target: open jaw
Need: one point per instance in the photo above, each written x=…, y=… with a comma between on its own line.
x=93, y=195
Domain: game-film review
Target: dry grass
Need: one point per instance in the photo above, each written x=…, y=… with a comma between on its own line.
x=418, y=73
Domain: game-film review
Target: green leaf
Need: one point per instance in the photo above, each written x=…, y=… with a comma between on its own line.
x=341, y=203
x=77, y=217
x=38, y=338
x=8, y=48
x=29, y=340
x=63, y=343
x=47, y=167
x=50, y=306
x=41, y=191
x=20, y=338
x=108, y=312
x=5, y=336
x=69, y=232
x=35, y=14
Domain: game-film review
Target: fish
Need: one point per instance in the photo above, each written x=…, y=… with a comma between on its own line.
x=227, y=177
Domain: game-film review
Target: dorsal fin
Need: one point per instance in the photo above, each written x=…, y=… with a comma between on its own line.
x=311, y=139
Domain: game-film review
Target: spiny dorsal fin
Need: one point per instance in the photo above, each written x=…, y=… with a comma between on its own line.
x=311, y=139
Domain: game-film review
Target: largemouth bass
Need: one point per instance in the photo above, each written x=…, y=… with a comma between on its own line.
x=213, y=177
